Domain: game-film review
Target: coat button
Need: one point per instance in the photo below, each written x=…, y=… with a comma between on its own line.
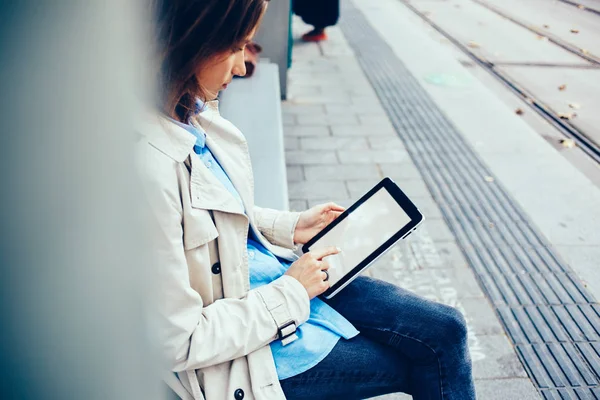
x=239, y=394
x=216, y=269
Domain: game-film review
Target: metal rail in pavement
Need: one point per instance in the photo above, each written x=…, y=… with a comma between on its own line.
x=569, y=130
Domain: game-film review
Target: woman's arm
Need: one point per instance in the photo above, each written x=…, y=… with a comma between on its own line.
x=277, y=226
x=286, y=229
x=192, y=335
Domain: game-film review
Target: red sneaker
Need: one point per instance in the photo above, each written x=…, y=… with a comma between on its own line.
x=314, y=36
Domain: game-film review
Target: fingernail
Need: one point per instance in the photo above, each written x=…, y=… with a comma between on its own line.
x=338, y=249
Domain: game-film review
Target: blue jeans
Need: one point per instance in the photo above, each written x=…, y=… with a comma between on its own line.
x=406, y=344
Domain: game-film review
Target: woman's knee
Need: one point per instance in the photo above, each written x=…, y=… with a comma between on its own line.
x=452, y=325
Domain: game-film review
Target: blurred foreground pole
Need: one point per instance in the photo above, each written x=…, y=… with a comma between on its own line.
x=74, y=280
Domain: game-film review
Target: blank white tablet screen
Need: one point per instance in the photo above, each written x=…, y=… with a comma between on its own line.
x=369, y=226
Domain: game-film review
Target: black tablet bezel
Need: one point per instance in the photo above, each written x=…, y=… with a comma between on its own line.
x=403, y=201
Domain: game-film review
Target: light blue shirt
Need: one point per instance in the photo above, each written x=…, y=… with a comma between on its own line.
x=325, y=326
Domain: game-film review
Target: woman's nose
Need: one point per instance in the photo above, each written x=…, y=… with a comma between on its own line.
x=239, y=67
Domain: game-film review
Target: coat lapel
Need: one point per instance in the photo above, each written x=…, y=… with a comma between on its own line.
x=207, y=191
x=230, y=148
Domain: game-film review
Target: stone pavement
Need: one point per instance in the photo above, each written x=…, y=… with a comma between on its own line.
x=339, y=143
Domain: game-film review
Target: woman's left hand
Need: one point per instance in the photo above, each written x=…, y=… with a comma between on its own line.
x=313, y=220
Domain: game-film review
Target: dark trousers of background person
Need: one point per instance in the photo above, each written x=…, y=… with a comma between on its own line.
x=318, y=13
x=406, y=344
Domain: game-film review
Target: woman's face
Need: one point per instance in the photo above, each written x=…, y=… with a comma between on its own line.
x=218, y=72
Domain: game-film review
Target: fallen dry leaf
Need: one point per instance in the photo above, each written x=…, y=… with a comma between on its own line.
x=581, y=7
x=568, y=143
x=574, y=30
x=540, y=37
x=489, y=178
x=567, y=116
x=519, y=111
x=574, y=106
x=584, y=51
x=562, y=87
x=473, y=45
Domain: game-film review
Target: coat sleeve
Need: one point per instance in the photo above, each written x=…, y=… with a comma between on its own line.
x=191, y=335
x=277, y=226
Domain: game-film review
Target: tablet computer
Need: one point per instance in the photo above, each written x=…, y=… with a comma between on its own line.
x=364, y=232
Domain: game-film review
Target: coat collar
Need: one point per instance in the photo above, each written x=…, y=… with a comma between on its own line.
x=170, y=138
x=167, y=137
x=227, y=144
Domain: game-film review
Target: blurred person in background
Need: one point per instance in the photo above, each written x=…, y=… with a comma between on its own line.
x=318, y=13
x=237, y=312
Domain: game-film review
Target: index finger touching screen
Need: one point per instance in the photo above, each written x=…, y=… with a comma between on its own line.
x=362, y=232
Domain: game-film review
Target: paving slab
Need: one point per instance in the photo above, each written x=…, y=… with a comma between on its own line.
x=313, y=131
x=326, y=119
x=301, y=109
x=291, y=143
x=400, y=171
x=382, y=129
x=313, y=157
x=479, y=312
x=334, y=143
x=298, y=205
x=295, y=173
x=506, y=389
x=347, y=172
x=412, y=188
x=500, y=361
x=318, y=190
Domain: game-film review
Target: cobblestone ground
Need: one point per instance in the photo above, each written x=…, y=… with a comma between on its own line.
x=339, y=143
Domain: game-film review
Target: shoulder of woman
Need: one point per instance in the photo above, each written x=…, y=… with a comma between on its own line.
x=156, y=168
x=165, y=136
x=159, y=176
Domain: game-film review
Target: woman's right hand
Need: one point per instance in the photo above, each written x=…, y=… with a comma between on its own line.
x=308, y=270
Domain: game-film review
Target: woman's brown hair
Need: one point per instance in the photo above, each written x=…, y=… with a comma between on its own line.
x=190, y=32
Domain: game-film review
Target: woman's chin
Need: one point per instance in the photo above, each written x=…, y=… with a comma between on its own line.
x=212, y=95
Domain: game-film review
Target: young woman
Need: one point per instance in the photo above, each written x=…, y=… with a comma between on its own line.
x=237, y=312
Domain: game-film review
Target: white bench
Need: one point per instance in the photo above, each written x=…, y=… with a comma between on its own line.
x=254, y=106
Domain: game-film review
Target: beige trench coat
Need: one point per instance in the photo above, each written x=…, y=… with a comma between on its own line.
x=213, y=331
